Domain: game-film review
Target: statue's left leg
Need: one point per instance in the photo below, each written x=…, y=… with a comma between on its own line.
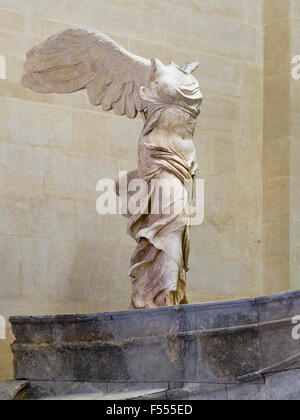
x=159, y=264
x=159, y=278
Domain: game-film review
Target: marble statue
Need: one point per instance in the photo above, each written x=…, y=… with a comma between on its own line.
x=169, y=99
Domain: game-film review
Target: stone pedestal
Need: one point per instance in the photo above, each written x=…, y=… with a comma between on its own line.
x=206, y=349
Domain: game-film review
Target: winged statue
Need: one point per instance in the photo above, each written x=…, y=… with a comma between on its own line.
x=169, y=98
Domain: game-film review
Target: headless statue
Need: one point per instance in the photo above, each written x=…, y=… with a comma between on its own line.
x=169, y=99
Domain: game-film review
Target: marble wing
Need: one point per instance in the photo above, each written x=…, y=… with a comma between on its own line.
x=76, y=59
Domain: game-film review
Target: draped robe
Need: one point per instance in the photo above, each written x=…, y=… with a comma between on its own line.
x=166, y=153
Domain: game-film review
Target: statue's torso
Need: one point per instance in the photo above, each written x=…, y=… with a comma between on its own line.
x=173, y=132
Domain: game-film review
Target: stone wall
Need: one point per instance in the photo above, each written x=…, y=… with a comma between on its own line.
x=281, y=147
x=56, y=253
x=276, y=162
x=295, y=154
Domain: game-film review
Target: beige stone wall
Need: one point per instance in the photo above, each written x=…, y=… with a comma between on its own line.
x=56, y=253
x=281, y=147
x=295, y=153
x=276, y=162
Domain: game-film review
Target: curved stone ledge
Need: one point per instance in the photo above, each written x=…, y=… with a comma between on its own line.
x=13, y=390
x=222, y=343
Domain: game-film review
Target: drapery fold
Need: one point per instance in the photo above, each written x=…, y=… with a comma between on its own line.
x=160, y=262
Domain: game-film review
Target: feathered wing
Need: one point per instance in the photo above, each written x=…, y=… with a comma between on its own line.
x=77, y=59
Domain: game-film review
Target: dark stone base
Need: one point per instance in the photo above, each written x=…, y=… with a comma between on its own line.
x=225, y=348
x=278, y=386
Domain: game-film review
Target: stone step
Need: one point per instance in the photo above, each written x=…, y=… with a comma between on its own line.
x=118, y=396
x=13, y=390
x=219, y=343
